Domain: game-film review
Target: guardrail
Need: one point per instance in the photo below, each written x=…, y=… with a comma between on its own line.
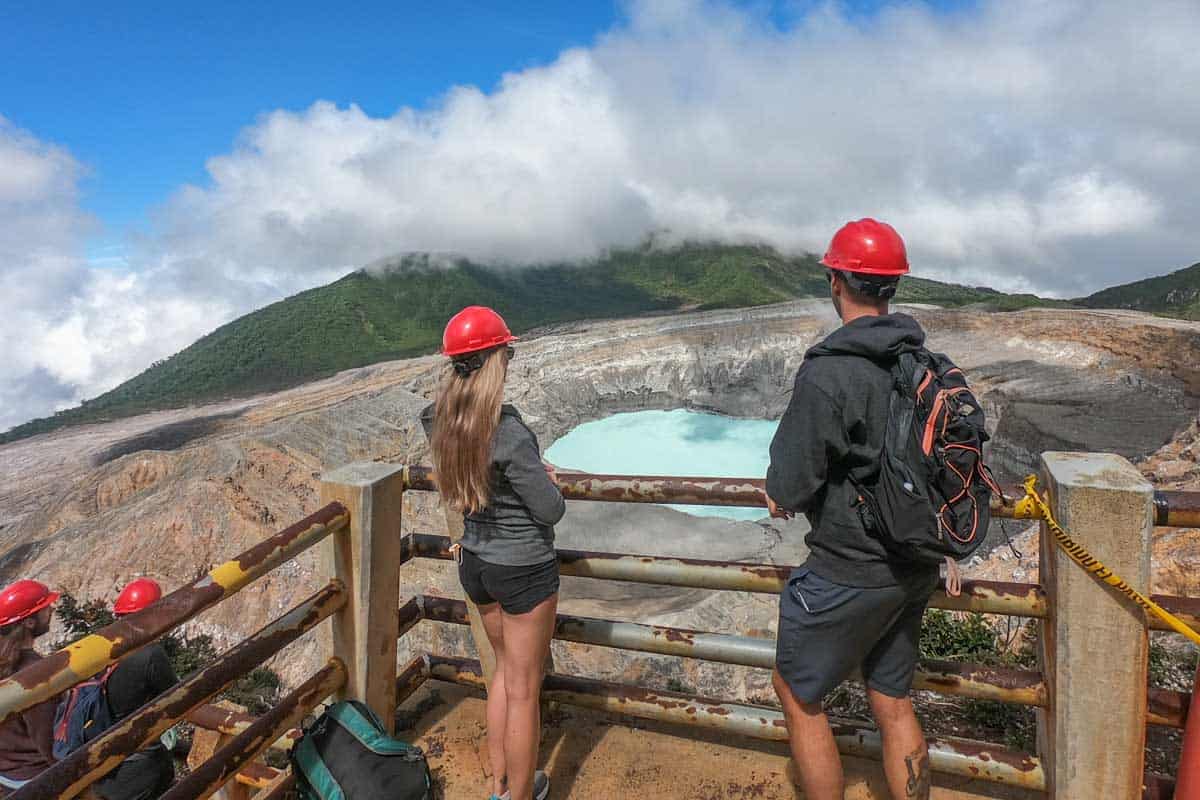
x=1100, y=498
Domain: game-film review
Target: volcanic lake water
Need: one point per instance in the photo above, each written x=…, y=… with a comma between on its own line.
x=679, y=442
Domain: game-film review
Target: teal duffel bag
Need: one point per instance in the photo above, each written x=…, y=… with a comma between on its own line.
x=347, y=755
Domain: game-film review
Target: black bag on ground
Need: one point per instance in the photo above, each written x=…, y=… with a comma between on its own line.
x=347, y=755
x=930, y=498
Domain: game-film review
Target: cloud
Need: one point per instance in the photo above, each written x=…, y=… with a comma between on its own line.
x=1018, y=143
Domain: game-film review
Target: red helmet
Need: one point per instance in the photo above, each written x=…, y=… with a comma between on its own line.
x=24, y=599
x=136, y=596
x=867, y=247
x=472, y=329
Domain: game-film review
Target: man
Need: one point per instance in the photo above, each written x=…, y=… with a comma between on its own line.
x=27, y=738
x=137, y=679
x=851, y=604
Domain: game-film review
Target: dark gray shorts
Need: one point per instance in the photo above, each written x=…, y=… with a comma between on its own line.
x=518, y=590
x=827, y=630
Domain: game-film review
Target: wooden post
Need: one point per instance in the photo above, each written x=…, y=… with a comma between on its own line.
x=366, y=558
x=1094, y=642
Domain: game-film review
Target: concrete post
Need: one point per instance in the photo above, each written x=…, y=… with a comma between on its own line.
x=366, y=558
x=1094, y=643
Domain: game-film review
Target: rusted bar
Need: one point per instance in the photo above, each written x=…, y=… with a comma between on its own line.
x=679, y=490
x=75, y=773
x=62, y=670
x=411, y=678
x=258, y=775
x=951, y=756
x=989, y=597
x=1016, y=686
x=1157, y=787
x=280, y=788
x=246, y=746
x=231, y=723
x=1177, y=509
x=410, y=615
x=1167, y=707
x=1186, y=609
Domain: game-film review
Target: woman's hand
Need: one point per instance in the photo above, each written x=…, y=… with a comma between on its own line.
x=551, y=471
x=777, y=512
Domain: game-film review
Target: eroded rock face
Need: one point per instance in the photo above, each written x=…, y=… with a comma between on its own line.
x=170, y=494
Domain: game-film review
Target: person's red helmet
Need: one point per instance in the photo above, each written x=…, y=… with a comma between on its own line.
x=136, y=596
x=473, y=329
x=24, y=599
x=867, y=247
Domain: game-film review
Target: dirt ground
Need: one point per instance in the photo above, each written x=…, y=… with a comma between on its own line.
x=593, y=755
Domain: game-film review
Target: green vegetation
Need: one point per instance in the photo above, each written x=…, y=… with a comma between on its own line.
x=1173, y=295
x=367, y=317
x=258, y=691
x=972, y=638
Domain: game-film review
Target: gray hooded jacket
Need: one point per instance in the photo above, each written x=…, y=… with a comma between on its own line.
x=517, y=526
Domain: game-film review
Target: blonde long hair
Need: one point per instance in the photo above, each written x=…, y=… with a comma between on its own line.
x=466, y=415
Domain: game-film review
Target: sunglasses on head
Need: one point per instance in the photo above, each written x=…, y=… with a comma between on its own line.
x=465, y=366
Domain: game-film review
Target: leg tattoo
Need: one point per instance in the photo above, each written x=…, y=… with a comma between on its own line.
x=919, y=777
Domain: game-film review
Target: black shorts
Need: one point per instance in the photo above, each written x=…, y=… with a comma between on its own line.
x=827, y=630
x=518, y=589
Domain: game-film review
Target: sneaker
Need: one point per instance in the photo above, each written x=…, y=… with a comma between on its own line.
x=541, y=787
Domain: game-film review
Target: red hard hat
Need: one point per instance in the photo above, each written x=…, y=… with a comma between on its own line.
x=867, y=247
x=136, y=596
x=472, y=329
x=24, y=599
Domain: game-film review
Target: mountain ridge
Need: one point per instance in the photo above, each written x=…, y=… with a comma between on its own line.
x=396, y=307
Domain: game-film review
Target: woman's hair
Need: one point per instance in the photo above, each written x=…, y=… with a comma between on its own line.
x=13, y=639
x=464, y=424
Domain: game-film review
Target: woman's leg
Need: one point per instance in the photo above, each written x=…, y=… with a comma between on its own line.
x=497, y=698
x=527, y=640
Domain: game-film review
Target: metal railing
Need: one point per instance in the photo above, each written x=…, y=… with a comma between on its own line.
x=364, y=560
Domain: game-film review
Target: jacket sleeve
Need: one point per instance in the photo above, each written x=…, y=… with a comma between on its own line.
x=811, y=435
x=160, y=676
x=39, y=721
x=525, y=472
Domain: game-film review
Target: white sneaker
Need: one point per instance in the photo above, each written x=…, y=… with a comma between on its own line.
x=541, y=787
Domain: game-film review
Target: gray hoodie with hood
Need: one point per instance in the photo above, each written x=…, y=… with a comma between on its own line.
x=832, y=428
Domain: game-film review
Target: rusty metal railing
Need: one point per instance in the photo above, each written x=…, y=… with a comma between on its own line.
x=63, y=669
x=972, y=759
x=1172, y=509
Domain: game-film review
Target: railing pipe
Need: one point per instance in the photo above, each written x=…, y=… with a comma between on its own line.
x=210, y=776
x=60, y=671
x=98, y=757
x=1171, y=508
x=951, y=756
x=1020, y=687
x=990, y=597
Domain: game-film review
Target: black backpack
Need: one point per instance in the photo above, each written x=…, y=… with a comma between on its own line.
x=930, y=498
x=346, y=754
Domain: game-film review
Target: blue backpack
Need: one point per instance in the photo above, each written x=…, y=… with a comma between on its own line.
x=82, y=715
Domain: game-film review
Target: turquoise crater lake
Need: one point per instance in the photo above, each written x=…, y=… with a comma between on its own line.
x=678, y=442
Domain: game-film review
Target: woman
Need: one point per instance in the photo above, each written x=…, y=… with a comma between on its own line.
x=489, y=467
x=27, y=738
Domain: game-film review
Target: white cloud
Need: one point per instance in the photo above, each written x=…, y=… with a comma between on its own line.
x=1020, y=143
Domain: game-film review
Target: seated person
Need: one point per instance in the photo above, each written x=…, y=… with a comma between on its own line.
x=26, y=738
x=138, y=679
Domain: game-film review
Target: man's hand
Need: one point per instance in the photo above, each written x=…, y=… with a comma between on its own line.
x=777, y=512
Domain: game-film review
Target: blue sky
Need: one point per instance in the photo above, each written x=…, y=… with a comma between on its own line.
x=142, y=93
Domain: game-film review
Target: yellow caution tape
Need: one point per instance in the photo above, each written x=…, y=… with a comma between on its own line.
x=1033, y=504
